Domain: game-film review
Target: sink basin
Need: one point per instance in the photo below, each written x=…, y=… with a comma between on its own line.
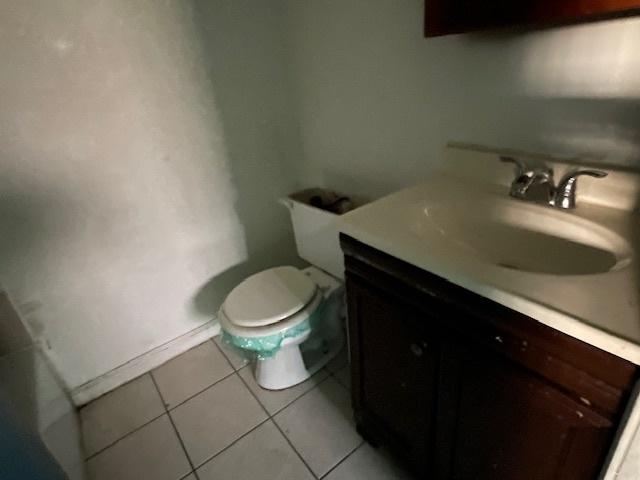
x=576, y=270
x=525, y=237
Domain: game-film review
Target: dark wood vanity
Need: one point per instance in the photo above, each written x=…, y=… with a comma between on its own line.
x=443, y=17
x=464, y=388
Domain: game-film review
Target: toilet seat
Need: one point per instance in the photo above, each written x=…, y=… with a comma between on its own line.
x=269, y=297
x=229, y=325
x=286, y=350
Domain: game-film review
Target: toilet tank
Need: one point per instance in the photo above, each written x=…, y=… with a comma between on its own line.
x=316, y=231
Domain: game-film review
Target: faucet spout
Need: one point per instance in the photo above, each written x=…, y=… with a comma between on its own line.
x=565, y=192
x=536, y=184
x=530, y=182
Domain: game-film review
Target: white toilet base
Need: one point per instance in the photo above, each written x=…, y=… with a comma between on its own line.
x=287, y=367
x=299, y=357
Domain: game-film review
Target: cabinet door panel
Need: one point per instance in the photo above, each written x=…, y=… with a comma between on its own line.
x=497, y=420
x=397, y=370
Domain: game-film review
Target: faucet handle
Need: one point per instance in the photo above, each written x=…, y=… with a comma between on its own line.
x=576, y=173
x=521, y=167
x=525, y=170
x=565, y=196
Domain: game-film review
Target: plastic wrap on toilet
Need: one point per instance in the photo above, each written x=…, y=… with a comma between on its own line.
x=267, y=346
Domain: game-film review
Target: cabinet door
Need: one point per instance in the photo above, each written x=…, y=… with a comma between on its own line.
x=497, y=420
x=393, y=361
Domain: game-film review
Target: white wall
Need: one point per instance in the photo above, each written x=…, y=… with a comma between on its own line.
x=377, y=101
x=143, y=144
x=122, y=211
x=32, y=398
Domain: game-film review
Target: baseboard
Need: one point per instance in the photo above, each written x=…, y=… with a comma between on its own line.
x=142, y=364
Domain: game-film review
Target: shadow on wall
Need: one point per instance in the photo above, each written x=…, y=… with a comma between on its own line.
x=247, y=70
x=117, y=203
x=378, y=101
x=31, y=216
x=39, y=431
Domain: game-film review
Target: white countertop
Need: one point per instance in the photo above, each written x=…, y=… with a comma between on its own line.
x=600, y=309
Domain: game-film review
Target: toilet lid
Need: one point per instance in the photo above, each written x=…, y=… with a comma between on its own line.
x=269, y=297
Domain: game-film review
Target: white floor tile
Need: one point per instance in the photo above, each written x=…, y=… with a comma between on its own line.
x=367, y=463
x=275, y=400
x=339, y=361
x=215, y=418
x=234, y=356
x=343, y=376
x=262, y=454
x=153, y=452
x=190, y=373
x=119, y=412
x=320, y=426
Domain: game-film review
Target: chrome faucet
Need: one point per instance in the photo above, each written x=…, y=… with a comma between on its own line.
x=536, y=184
x=565, y=192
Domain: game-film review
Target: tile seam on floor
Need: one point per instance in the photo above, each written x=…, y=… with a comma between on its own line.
x=271, y=416
x=124, y=436
x=227, y=358
x=256, y=397
x=295, y=450
x=339, y=382
x=234, y=372
x=191, y=397
x=207, y=460
x=343, y=459
x=175, y=429
x=166, y=411
x=292, y=400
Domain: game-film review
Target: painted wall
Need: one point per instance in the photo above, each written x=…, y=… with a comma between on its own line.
x=123, y=211
x=377, y=101
x=39, y=428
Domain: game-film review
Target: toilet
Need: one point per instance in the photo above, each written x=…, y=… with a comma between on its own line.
x=290, y=320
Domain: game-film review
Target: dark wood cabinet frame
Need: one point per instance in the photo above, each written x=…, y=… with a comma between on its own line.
x=443, y=17
x=463, y=388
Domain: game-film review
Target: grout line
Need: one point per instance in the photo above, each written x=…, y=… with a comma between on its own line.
x=233, y=443
x=270, y=417
x=343, y=460
x=225, y=355
x=165, y=408
x=256, y=397
x=95, y=454
x=293, y=400
x=175, y=429
x=301, y=395
x=173, y=407
x=227, y=358
x=339, y=382
x=278, y=426
x=295, y=450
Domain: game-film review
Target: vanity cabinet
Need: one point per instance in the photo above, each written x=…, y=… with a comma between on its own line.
x=464, y=388
x=443, y=17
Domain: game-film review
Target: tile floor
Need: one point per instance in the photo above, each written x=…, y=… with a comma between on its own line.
x=201, y=416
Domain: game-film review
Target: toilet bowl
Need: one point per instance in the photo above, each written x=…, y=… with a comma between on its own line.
x=290, y=319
